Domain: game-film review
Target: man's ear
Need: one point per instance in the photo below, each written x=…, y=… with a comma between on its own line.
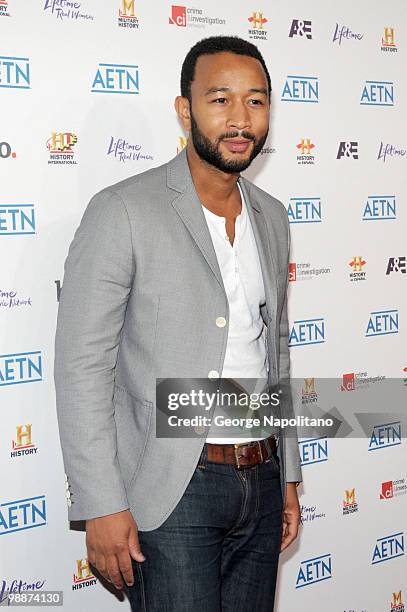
x=183, y=110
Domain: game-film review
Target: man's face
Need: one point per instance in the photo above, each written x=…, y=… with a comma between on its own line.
x=230, y=110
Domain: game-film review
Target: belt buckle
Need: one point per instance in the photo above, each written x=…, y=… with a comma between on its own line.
x=237, y=457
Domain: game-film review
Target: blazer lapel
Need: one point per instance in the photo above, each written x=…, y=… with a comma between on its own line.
x=189, y=208
x=262, y=233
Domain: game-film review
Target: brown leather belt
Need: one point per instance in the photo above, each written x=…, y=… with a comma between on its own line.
x=242, y=454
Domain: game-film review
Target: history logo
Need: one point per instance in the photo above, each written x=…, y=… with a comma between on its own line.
x=358, y=273
x=309, y=395
x=83, y=577
x=4, y=9
x=257, y=31
x=388, y=44
x=127, y=17
x=61, y=148
x=349, y=503
x=305, y=155
x=22, y=444
x=396, y=604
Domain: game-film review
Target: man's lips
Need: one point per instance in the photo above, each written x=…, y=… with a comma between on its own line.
x=236, y=145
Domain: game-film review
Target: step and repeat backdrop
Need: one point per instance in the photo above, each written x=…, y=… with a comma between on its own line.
x=86, y=99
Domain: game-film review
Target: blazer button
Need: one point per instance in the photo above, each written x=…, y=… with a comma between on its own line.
x=213, y=374
x=220, y=321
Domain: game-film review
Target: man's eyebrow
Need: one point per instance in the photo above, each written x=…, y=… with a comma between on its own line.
x=211, y=90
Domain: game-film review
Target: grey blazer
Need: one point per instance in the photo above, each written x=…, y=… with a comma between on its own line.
x=141, y=293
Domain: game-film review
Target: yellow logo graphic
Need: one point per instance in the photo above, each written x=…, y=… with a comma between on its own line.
x=350, y=498
x=83, y=570
x=397, y=603
x=388, y=39
x=62, y=141
x=23, y=436
x=357, y=263
x=305, y=146
x=309, y=386
x=257, y=20
x=128, y=5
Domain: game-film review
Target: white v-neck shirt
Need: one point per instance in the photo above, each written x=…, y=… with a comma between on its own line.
x=246, y=353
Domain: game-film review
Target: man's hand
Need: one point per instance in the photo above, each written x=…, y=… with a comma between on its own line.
x=291, y=516
x=110, y=541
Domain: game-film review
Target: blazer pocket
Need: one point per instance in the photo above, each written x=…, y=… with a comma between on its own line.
x=133, y=417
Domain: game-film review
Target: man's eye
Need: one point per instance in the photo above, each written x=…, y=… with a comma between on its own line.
x=256, y=102
x=221, y=100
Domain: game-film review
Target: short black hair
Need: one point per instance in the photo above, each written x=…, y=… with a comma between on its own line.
x=211, y=46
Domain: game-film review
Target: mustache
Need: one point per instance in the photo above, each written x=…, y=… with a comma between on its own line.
x=244, y=134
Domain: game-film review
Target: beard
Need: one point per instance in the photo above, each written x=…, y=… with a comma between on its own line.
x=210, y=152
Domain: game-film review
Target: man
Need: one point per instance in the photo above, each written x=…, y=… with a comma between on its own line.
x=181, y=272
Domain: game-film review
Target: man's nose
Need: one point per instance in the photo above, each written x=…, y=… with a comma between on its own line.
x=239, y=117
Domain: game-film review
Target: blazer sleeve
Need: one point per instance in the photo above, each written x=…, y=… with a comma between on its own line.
x=98, y=277
x=292, y=454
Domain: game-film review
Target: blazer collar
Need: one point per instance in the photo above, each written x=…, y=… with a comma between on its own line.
x=179, y=176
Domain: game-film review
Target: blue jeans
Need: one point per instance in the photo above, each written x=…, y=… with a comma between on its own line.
x=219, y=548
